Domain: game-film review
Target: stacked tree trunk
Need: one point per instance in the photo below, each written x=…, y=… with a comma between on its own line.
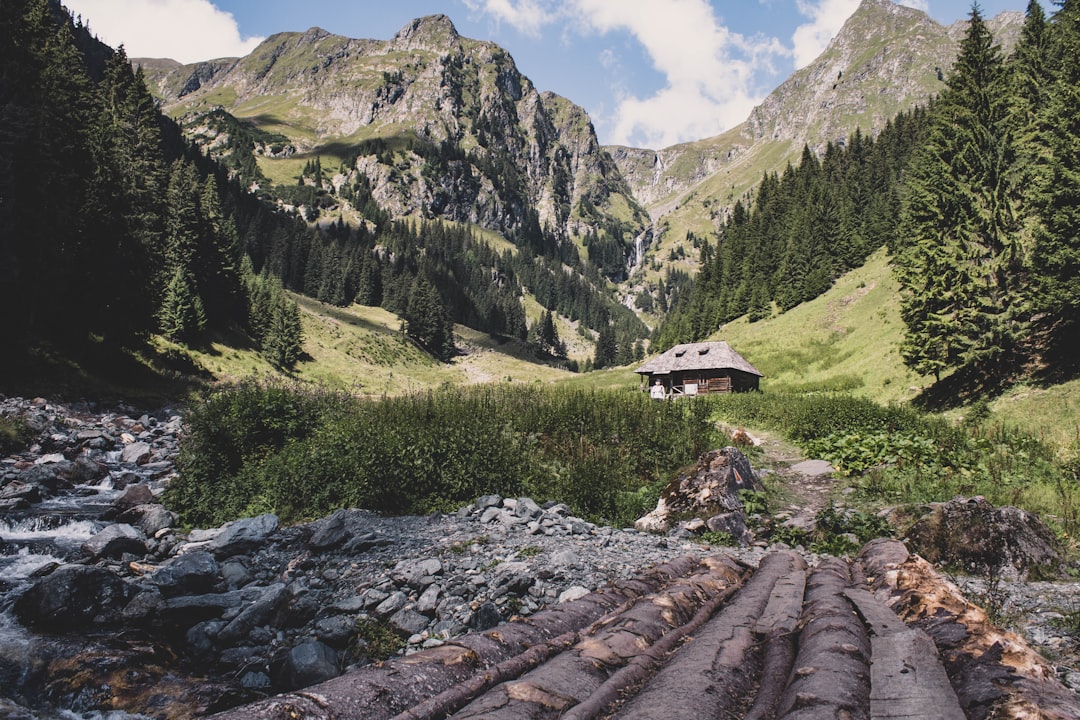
x=713, y=639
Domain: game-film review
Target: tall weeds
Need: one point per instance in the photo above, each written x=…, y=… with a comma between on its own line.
x=899, y=455
x=302, y=452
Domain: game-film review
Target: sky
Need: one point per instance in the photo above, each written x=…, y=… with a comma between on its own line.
x=651, y=73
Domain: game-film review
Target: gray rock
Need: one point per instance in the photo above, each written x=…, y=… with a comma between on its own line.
x=73, y=597
x=137, y=453
x=488, y=501
x=308, y=663
x=138, y=494
x=187, y=610
x=336, y=631
x=527, y=508
x=330, y=532
x=732, y=523
x=391, y=604
x=486, y=617
x=243, y=535
x=407, y=621
x=235, y=573
x=429, y=600
x=151, y=519
x=570, y=594
x=190, y=573
x=114, y=541
x=259, y=612
x=418, y=573
x=972, y=533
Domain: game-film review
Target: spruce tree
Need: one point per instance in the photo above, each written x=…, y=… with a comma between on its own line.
x=283, y=342
x=961, y=262
x=1054, y=194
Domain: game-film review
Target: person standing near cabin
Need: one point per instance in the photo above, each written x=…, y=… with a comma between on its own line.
x=657, y=392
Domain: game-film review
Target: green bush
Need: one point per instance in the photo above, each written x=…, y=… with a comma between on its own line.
x=270, y=447
x=898, y=454
x=15, y=434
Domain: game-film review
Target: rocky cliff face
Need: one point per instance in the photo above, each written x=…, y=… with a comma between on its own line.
x=463, y=134
x=887, y=58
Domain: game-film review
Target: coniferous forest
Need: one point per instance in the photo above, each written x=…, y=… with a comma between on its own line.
x=117, y=228
x=976, y=197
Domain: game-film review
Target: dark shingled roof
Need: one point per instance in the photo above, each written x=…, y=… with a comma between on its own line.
x=698, y=356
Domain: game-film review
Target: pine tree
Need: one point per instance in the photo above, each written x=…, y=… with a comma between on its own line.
x=283, y=343
x=181, y=316
x=1054, y=193
x=427, y=321
x=961, y=263
x=606, y=348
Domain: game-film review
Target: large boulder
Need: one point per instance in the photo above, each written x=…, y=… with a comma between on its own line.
x=705, y=490
x=243, y=536
x=975, y=535
x=191, y=573
x=306, y=664
x=73, y=597
x=114, y=541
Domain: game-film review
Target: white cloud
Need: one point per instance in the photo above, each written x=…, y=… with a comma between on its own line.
x=184, y=30
x=923, y=5
x=826, y=19
x=709, y=71
x=526, y=16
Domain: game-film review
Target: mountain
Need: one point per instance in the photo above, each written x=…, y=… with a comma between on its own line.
x=887, y=58
x=435, y=123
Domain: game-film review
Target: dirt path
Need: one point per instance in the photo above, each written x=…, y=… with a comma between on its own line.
x=805, y=484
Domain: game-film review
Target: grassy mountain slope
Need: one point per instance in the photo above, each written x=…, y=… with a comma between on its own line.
x=887, y=58
x=361, y=349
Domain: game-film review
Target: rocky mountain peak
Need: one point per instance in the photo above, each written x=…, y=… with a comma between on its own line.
x=431, y=32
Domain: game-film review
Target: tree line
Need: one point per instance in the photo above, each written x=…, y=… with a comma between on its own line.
x=804, y=228
x=118, y=228
x=988, y=253
x=115, y=228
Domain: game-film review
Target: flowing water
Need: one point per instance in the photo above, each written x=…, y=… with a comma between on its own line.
x=32, y=542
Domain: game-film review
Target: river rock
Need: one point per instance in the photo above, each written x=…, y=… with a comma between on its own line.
x=330, y=533
x=243, y=536
x=138, y=494
x=259, y=612
x=73, y=597
x=191, y=573
x=306, y=664
x=114, y=541
x=151, y=519
x=137, y=453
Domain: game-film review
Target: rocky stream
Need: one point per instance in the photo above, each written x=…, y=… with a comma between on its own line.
x=109, y=610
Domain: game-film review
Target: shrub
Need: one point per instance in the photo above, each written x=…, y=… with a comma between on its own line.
x=302, y=452
x=15, y=434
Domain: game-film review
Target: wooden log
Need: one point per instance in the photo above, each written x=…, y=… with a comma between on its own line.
x=831, y=674
x=581, y=672
x=719, y=665
x=778, y=624
x=907, y=679
x=386, y=689
x=994, y=673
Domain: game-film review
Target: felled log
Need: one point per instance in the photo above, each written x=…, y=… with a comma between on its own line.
x=386, y=689
x=995, y=673
x=721, y=664
x=831, y=674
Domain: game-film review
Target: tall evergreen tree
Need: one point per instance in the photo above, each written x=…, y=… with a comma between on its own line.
x=427, y=321
x=1054, y=194
x=961, y=263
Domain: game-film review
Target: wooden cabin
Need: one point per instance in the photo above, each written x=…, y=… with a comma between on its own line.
x=699, y=368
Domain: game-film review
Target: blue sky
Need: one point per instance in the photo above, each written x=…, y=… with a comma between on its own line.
x=651, y=73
